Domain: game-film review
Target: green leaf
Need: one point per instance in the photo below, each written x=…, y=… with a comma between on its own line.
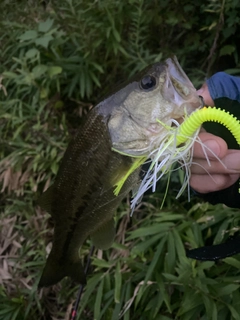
x=233, y=311
x=180, y=250
x=155, y=259
x=190, y=301
x=53, y=153
x=164, y=293
x=39, y=70
x=54, y=70
x=171, y=253
x=28, y=35
x=205, y=265
x=227, y=50
x=44, y=93
x=214, y=312
x=90, y=289
x=9, y=74
x=218, y=238
x=46, y=25
x=167, y=217
x=95, y=79
x=98, y=301
x=170, y=277
x=147, y=231
x=232, y=262
x=97, y=66
x=235, y=71
x=227, y=289
x=32, y=53
x=154, y=305
x=142, y=246
x=102, y=263
x=118, y=283
x=44, y=41
x=82, y=83
x=54, y=167
x=208, y=303
x=116, y=35
x=18, y=131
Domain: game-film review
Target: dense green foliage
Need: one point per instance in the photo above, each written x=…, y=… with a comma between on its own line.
x=57, y=59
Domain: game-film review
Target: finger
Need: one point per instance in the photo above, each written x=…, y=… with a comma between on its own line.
x=229, y=164
x=214, y=146
x=232, y=160
x=215, y=182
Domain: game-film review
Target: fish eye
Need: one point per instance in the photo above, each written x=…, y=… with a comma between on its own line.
x=148, y=82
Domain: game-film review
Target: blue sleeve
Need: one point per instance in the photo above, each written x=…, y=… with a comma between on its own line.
x=222, y=85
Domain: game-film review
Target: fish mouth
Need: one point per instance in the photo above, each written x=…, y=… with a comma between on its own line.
x=178, y=77
x=179, y=89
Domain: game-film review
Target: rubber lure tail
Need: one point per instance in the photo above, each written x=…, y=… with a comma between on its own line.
x=177, y=147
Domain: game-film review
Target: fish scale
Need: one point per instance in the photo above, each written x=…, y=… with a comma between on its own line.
x=89, y=204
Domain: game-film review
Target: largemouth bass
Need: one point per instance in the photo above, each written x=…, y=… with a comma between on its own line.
x=82, y=201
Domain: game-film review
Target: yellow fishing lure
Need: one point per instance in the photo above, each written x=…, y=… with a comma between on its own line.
x=177, y=146
x=197, y=118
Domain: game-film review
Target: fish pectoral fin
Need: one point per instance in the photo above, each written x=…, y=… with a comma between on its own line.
x=55, y=271
x=122, y=174
x=104, y=236
x=45, y=200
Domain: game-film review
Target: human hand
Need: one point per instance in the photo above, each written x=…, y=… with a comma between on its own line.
x=218, y=176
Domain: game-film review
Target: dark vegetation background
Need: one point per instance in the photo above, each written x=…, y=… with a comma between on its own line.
x=57, y=58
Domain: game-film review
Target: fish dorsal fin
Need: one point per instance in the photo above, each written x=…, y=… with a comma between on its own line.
x=104, y=236
x=45, y=200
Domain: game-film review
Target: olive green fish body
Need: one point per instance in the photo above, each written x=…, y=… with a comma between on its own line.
x=82, y=199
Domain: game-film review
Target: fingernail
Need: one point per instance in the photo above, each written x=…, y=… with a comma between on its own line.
x=213, y=146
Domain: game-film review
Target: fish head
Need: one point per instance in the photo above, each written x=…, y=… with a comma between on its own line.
x=162, y=92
